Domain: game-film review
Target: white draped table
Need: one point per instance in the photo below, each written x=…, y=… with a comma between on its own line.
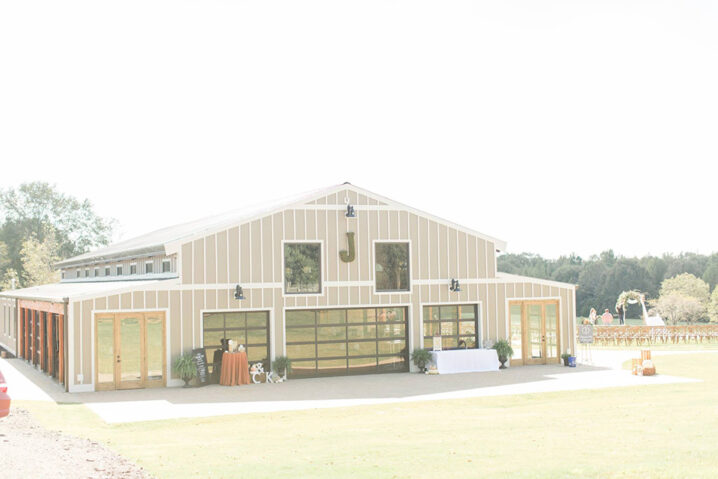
x=465, y=360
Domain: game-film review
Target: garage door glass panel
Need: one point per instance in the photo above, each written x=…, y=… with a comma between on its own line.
x=340, y=335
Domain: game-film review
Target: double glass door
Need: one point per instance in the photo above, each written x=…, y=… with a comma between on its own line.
x=130, y=350
x=534, y=331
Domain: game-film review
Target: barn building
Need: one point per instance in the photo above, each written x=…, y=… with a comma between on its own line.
x=341, y=280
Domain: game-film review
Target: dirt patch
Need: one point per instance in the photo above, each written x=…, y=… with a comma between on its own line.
x=29, y=450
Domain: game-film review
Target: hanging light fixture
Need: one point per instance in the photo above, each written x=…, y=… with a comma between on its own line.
x=238, y=293
x=350, y=212
x=455, y=286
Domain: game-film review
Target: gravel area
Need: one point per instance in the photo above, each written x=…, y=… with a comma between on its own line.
x=28, y=450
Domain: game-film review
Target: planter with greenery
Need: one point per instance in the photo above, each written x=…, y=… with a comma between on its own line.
x=421, y=357
x=504, y=351
x=282, y=365
x=185, y=368
x=565, y=357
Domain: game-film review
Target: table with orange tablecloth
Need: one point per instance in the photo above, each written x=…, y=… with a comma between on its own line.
x=235, y=369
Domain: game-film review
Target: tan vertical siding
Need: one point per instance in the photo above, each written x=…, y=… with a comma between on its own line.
x=245, y=258
x=222, y=258
x=233, y=255
x=210, y=253
x=187, y=263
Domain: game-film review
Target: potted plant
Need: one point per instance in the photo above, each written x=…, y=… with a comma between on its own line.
x=421, y=357
x=185, y=368
x=282, y=365
x=504, y=351
x=565, y=357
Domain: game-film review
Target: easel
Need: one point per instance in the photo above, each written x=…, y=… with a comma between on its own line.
x=585, y=339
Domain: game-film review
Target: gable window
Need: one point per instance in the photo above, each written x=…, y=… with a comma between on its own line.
x=119, y=270
x=87, y=273
x=79, y=273
x=166, y=266
x=302, y=268
x=96, y=272
x=148, y=267
x=133, y=268
x=391, y=266
x=107, y=270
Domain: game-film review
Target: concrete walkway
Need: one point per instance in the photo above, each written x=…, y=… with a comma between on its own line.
x=28, y=383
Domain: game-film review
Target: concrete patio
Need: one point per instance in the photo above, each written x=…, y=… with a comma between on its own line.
x=27, y=383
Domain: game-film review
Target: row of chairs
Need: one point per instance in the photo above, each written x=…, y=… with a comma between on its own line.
x=626, y=335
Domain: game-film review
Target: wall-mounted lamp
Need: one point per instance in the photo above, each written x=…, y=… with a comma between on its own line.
x=455, y=286
x=238, y=293
x=350, y=212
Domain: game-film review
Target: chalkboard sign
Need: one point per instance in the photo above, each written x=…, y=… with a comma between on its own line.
x=200, y=360
x=585, y=333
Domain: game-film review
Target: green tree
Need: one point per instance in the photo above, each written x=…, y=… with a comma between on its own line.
x=38, y=259
x=688, y=285
x=676, y=307
x=710, y=275
x=713, y=307
x=35, y=210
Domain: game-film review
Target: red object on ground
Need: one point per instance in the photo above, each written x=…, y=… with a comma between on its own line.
x=4, y=397
x=235, y=369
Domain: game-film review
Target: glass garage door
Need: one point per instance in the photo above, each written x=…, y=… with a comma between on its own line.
x=333, y=342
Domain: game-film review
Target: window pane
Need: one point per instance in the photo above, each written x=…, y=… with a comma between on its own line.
x=331, y=350
x=257, y=319
x=301, y=351
x=234, y=320
x=516, y=342
x=332, y=316
x=449, y=312
x=391, y=347
x=236, y=335
x=390, y=330
x=213, y=321
x=296, y=318
x=367, y=331
x=430, y=329
x=256, y=336
x=392, y=266
x=212, y=339
x=300, y=335
x=367, y=348
x=431, y=313
x=302, y=267
x=467, y=312
x=331, y=333
x=361, y=315
x=448, y=329
x=467, y=327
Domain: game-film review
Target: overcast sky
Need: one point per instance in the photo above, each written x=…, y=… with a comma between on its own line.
x=558, y=126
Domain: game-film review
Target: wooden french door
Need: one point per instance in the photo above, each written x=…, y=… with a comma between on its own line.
x=534, y=331
x=130, y=350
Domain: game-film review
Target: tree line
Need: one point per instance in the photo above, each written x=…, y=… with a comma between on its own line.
x=40, y=226
x=602, y=278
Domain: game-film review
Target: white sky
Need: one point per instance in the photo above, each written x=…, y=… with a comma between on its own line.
x=558, y=126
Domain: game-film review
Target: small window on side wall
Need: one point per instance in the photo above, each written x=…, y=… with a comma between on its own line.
x=391, y=266
x=119, y=271
x=166, y=266
x=133, y=269
x=148, y=268
x=302, y=268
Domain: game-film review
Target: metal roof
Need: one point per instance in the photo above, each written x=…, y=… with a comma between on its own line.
x=156, y=242
x=61, y=292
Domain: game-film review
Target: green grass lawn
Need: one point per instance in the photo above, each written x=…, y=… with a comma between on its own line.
x=662, y=431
